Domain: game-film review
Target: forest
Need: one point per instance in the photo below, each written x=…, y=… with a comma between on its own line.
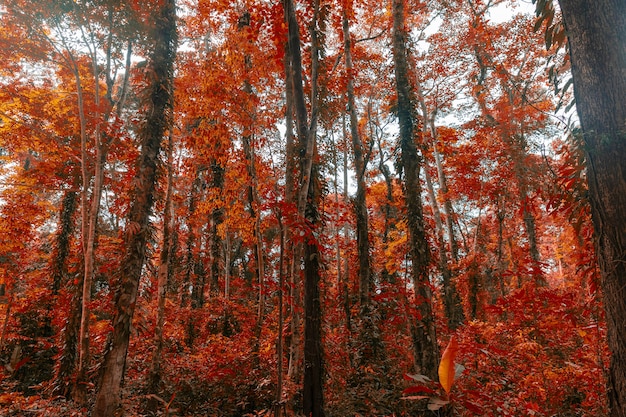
x=312, y=208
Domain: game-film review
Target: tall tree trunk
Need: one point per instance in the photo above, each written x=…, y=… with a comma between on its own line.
x=360, y=204
x=195, y=273
x=190, y=257
x=597, y=39
x=279, y=403
x=308, y=196
x=345, y=283
x=519, y=153
x=80, y=393
x=388, y=210
x=292, y=264
x=89, y=216
x=157, y=112
x=452, y=300
x=424, y=337
x=217, y=218
x=154, y=378
x=444, y=267
x=253, y=193
x=58, y=271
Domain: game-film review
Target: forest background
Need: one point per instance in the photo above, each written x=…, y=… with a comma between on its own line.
x=297, y=208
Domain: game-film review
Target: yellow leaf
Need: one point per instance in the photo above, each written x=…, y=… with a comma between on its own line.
x=446, y=366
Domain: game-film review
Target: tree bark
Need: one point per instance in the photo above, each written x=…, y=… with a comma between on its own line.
x=360, y=204
x=452, y=300
x=189, y=257
x=158, y=103
x=292, y=264
x=424, y=337
x=308, y=197
x=253, y=192
x=597, y=40
x=69, y=335
x=154, y=378
x=217, y=218
x=62, y=241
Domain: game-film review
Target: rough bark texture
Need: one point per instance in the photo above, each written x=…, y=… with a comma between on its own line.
x=360, y=204
x=62, y=241
x=451, y=298
x=308, y=196
x=69, y=357
x=190, y=257
x=290, y=197
x=154, y=378
x=597, y=39
x=58, y=270
x=157, y=118
x=217, y=218
x=424, y=337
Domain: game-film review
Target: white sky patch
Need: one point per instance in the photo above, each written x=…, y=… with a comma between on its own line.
x=506, y=10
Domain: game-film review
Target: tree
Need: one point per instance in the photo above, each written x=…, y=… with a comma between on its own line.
x=157, y=113
x=307, y=205
x=596, y=33
x=424, y=337
x=248, y=217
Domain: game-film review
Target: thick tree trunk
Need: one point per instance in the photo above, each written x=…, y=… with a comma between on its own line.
x=597, y=39
x=154, y=378
x=424, y=337
x=295, y=307
x=157, y=111
x=308, y=196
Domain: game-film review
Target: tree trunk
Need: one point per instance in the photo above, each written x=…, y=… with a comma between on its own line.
x=62, y=241
x=279, y=404
x=597, y=39
x=69, y=335
x=154, y=378
x=388, y=211
x=217, y=218
x=157, y=113
x=253, y=194
x=194, y=270
x=80, y=393
x=451, y=298
x=447, y=204
x=345, y=283
x=190, y=257
x=424, y=337
x=360, y=204
x=308, y=197
x=292, y=264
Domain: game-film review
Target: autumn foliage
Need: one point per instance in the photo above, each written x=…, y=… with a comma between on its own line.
x=509, y=284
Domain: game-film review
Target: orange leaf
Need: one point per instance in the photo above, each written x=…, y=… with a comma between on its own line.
x=446, y=366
